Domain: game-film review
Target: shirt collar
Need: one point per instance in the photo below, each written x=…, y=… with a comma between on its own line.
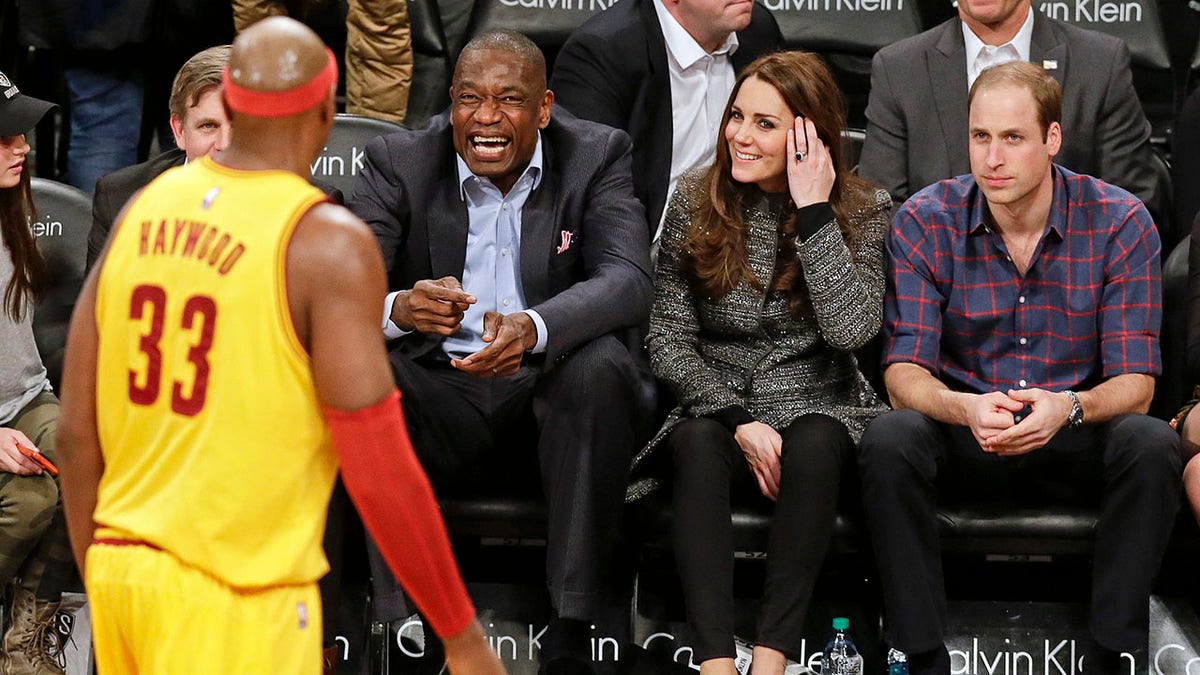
x=1056, y=222
x=1021, y=41
x=682, y=47
x=534, y=170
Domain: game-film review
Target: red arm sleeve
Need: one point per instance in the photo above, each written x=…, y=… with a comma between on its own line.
x=396, y=502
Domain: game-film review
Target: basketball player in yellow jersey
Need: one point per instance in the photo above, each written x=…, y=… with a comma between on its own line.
x=224, y=346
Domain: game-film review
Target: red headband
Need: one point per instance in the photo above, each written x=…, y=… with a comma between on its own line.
x=281, y=103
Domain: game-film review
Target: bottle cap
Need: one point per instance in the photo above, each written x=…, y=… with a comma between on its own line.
x=841, y=623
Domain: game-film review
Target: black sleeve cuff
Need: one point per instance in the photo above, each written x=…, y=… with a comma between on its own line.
x=730, y=417
x=811, y=218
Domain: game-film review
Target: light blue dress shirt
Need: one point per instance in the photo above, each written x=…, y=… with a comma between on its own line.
x=492, y=269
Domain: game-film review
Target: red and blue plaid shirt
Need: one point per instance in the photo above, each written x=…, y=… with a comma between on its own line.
x=1088, y=308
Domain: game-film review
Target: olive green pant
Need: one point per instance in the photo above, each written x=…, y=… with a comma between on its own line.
x=34, y=548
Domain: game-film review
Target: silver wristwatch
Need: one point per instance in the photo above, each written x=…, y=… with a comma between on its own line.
x=1075, y=419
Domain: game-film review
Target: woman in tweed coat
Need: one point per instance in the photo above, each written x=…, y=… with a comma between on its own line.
x=770, y=272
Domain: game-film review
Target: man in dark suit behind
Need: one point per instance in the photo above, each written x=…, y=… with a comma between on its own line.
x=516, y=251
x=917, y=110
x=662, y=70
x=200, y=125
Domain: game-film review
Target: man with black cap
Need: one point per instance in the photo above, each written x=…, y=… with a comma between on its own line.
x=34, y=558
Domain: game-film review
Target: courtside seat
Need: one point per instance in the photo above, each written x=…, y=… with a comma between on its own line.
x=547, y=22
x=847, y=33
x=1195, y=62
x=62, y=219
x=342, y=158
x=852, y=143
x=1175, y=382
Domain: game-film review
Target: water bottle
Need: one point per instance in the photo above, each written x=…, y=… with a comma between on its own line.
x=841, y=656
x=897, y=662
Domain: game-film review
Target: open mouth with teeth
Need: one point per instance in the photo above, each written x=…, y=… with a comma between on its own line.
x=745, y=156
x=490, y=146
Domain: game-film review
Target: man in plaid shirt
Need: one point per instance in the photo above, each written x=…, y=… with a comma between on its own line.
x=1022, y=318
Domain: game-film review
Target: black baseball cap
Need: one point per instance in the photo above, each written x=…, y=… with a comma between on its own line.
x=19, y=113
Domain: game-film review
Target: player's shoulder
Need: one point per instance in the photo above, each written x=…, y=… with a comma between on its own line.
x=330, y=235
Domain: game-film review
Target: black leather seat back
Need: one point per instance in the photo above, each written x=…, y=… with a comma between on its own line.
x=1175, y=382
x=858, y=27
x=847, y=33
x=547, y=22
x=342, y=158
x=61, y=223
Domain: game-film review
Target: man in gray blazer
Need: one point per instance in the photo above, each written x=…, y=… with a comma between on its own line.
x=518, y=252
x=917, y=110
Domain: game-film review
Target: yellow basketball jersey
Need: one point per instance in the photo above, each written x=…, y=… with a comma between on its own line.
x=214, y=445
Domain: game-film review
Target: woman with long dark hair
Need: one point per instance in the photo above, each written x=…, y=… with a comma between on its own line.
x=770, y=272
x=34, y=555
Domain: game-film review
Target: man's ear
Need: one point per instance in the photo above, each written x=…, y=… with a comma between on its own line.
x=177, y=130
x=1053, y=139
x=544, y=109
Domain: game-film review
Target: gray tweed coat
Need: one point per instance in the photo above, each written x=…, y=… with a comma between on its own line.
x=745, y=348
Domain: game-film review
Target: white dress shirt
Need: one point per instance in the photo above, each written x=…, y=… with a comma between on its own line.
x=700, y=87
x=981, y=56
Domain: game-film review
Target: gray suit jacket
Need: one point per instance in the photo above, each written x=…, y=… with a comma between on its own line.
x=919, y=92
x=408, y=192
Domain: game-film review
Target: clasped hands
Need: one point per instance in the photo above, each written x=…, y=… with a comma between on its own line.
x=436, y=307
x=991, y=418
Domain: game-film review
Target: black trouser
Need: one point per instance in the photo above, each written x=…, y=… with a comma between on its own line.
x=472, y=434
x=710, y=473
x=1129, y=465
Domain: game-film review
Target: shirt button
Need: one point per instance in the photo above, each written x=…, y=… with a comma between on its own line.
x=1020, y=382
x=1021, y=299
x=1023, y=340
x=503, y=251
x=504, y=206
x=505, y=303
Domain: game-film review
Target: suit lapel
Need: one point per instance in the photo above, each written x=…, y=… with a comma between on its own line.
x=538, y=233
x=1046, y=47
x=447, y=222
x=658, y=127
x=948, y=82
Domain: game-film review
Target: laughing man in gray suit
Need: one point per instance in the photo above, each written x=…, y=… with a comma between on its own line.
x=917, y=110
x=517, y=251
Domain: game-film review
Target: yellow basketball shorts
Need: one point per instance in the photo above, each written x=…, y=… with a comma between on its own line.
x=153, y=614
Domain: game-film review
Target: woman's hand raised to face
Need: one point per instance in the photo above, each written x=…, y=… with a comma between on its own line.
x=810, y=180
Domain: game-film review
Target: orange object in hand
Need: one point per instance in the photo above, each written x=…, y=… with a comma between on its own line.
x=39, y=458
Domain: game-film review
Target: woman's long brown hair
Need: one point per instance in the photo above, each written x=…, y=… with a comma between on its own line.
x=29, y=268
x=715, y=250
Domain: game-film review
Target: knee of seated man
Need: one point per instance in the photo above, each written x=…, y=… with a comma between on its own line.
x=601, y=363
x=889, y=439
x=1145, y=441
